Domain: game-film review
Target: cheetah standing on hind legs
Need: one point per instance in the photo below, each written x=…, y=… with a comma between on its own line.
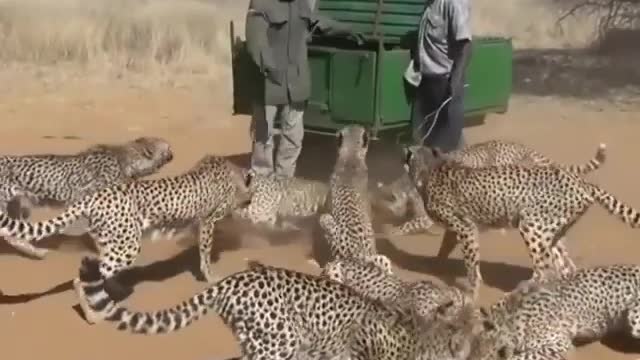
x=543, y=202
x=487, y=153
x=62, y=179
x=118, y=214
x=348, y=226
x=543, y=320
x=281, y=314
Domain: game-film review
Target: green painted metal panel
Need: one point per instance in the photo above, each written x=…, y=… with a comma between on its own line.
x=353, y=82
x=394, y=105
x=489, y=75
x=394, y=18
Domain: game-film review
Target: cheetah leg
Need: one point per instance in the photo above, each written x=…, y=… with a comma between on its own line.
x=380, y=261
x=633, y=318
x=539, y=354
x=118, y=251
x=329, y=226
x=417, y=225
x=467, y=236
x=449, y=243
x=207, y=228
x=27, y=248
x=563, y=263
x=540, y=243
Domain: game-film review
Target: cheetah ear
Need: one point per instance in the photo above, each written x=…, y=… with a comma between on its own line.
x=408, y=156
x=339, y=138
x=366, y=138
x=505, y=352
x=437, y=152
x=248, y=177
x=146, y=148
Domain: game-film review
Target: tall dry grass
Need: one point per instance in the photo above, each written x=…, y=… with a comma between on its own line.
x=142, y=36
x=164, y=39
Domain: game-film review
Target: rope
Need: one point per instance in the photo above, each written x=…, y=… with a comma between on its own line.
x=435, y=114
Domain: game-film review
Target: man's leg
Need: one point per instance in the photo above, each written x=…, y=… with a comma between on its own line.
x=446, y=133
x=421, y=106
x=291, y=135
x=455, y=122
x=262, y=138
x=430, y=95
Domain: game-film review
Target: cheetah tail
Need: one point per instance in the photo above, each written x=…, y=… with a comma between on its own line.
x=616, y=207
x=28, y=231
x=593, y=164
x=157, y=322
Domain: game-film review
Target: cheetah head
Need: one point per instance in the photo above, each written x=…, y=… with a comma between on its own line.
x=353, y=142
x=491, y=344
x=242, y=180
x=451, y=332
x=145, y=156
x=420, y=160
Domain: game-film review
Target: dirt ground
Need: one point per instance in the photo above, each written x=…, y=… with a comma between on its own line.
x=38, y=316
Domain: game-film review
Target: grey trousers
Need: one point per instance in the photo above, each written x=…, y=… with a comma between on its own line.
x=291, y=135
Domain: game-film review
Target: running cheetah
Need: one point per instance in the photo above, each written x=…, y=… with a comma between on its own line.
x=347, y=225
x=60, y=180
x=277, y=313
x=543, y=202
x=403, y=193
x=372, y=281
x=119, y=214
x=543, y=321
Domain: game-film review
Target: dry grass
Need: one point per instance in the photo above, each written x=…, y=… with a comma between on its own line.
x=147, y=42
x=157, y=37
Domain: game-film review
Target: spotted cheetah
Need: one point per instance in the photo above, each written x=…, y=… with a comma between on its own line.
x=372, y=281
x=275, y=200
x=62, y=179
x=587, y=305
x=543, y=202
x=277, y=313
x=403, y=193
x=119, y=214
x=347, y=224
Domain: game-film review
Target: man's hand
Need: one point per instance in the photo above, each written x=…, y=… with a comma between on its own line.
x=274, y=75
x=357, y=37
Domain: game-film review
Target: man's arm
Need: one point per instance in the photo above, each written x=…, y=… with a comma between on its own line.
x=256, y=26
x=331, y=27
x=460, y=31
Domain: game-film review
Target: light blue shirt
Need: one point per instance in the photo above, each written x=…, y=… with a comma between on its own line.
x=443, y=22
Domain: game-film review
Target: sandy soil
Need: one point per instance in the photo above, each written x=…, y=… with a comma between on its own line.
x=38, y=316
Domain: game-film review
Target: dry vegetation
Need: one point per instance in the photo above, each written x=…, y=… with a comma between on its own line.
x=185, y=41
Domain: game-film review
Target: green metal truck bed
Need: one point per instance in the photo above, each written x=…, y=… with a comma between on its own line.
x=364, y=84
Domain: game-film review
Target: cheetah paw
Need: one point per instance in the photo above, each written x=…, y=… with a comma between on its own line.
x=209, y=277
x=313, y=262
x=27, y=248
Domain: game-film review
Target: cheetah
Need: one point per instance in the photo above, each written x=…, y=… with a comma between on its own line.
x=275, y=200
x=542, y=202
x=545, y=320
x=62, y=179
x=347, y=224
x=487, y=153
x=119, y=214
x=277, y=313
x=372, y=281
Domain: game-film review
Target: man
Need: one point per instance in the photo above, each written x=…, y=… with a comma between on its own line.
x=277, y=33
x=437, y=71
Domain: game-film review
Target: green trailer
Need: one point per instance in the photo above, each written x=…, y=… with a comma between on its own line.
x=363, y=84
